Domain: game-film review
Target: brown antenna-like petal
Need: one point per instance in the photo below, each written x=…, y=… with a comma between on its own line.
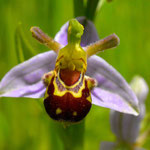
x=110, y=41
x=39, y=35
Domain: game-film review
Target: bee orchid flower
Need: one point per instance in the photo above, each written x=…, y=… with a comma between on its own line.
x=126, y=127
x=71, y=77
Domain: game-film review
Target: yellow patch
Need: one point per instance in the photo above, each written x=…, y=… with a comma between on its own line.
x=89, y=98
x=48, y=80
x=74, y=113
x=46, y=94
x=61, y=93
x=58, y=111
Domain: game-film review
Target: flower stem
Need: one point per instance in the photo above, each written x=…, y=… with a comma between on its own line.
x=72, y=136
x=142, y=138
x=79, y=9
x=91, y=9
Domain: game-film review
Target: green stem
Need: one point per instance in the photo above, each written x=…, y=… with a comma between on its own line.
x=91, y=9
x=72, y=136
x=78, y=8
x=143, y=138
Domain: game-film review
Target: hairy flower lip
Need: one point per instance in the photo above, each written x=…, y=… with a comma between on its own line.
x=24, y=80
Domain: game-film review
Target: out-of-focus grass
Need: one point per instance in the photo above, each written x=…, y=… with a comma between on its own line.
x=23, y=122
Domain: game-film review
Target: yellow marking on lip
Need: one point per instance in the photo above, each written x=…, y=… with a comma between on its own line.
x=49, y=82
x=58, y=111
x=61, y=93
x=74, y=113
x=89, y=98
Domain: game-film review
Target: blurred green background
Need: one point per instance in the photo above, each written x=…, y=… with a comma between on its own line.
x=24, y=124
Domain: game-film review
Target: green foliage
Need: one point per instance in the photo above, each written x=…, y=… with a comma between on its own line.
x=24, y=123
x=79, y=8
x=23, y=48
x=91, y=9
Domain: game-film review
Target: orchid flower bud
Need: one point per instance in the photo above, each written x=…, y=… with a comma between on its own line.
x=126, y=127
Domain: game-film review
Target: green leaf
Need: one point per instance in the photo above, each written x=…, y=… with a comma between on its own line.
x=93, y=6
x=79, y=9
x=91, y=9
x=23, y=48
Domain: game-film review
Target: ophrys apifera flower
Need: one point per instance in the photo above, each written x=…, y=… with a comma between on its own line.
x=66, y=77
x=126, y=127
